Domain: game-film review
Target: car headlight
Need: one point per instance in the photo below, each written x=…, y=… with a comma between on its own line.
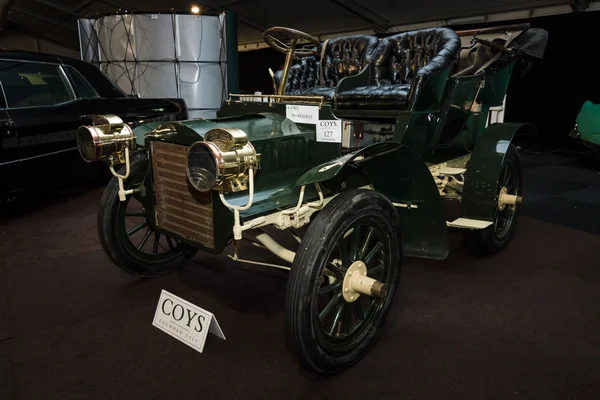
x=105, y=140
x=221, y=161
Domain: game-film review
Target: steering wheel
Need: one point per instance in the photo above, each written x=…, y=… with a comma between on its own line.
x=277, y=38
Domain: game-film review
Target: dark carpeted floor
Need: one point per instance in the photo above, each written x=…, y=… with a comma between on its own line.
x=524, y=324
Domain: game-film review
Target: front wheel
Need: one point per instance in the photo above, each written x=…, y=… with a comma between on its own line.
x=128, y=237
x=331, y=321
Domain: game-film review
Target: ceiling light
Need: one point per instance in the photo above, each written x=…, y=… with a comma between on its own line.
x=195, y=10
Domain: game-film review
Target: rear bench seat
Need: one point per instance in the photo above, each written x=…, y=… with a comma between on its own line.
x=401, y=64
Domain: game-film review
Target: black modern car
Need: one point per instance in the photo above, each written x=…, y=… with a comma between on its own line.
x=44, y=99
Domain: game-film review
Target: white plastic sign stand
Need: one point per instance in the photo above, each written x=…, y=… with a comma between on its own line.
x=185, y=321
x=302, y=114
x=329, y=131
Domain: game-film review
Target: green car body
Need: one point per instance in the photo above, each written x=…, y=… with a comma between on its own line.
x=398, y=168
x=587, y=124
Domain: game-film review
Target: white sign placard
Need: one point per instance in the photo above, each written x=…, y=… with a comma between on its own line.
x=329, y=131
x=302, y=114
x=185, y=321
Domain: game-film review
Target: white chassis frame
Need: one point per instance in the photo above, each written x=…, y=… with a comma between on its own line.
x=449, y=178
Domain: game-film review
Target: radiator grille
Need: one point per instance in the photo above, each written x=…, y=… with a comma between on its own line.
x=179, y=207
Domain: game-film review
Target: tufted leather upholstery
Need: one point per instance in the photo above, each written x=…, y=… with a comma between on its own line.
x=342, y=57
x=302, y=75
x=347, y=56
x=392, y=92
x=401, y=65
x=327, y=92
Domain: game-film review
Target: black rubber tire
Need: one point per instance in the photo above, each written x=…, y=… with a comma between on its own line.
x=312, y=255
x=116, y=248
x=488, y=241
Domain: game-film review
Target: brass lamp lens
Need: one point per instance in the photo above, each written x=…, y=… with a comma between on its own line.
x=202, y=167
x=86, y=142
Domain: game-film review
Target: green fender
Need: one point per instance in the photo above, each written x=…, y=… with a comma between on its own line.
x=480, y=193
x=399, y=173
x=588, y=123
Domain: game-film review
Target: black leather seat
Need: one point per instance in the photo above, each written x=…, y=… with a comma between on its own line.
x=342, y=57
x=302, y=75
x=401, y=65
x=325, y=91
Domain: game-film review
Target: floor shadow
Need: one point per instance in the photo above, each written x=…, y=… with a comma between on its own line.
x=245, y=288
x=51, y=194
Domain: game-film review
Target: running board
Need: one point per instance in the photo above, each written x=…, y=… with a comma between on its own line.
x=451, y=171
x=467, y=223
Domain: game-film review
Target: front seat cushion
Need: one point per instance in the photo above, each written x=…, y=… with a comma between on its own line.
x=325, y=91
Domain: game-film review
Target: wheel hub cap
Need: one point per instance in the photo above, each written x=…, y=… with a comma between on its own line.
x=356, y=282
x=505, y=199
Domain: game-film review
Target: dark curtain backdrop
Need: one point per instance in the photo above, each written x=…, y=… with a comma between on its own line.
x=254, y=69
x=549, y=96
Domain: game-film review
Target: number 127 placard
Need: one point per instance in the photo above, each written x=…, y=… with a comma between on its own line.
x=329, y=131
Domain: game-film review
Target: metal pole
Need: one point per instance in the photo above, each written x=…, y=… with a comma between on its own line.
x=286, y=67
x=231, y=40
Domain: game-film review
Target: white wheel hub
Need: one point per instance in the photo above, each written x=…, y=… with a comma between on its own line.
x=505, y=199
x=356, y=282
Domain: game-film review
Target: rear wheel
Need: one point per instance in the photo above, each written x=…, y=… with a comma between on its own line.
x=127, y=235
x=330, y=324
x=497, y=236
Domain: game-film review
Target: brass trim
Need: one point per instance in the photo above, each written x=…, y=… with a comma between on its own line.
x=289, y=98
x=289, y=54
x=108, y=137
x=233, y=156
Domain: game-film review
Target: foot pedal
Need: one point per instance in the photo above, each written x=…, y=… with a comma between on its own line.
x=467, y=223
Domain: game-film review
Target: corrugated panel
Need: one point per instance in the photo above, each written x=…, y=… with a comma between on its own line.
x=180, y=208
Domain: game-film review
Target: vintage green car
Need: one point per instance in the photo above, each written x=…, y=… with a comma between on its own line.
x=587, y=125
x=359, y=148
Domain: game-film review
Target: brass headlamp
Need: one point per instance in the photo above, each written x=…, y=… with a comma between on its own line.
x=221, y=161
x=106, y=140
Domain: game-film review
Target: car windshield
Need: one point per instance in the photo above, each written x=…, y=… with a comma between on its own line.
x=101, y=82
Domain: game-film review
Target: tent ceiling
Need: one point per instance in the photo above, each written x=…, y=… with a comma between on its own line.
x=56, y=20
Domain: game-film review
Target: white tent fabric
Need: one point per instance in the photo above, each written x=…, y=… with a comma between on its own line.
x=56, y=20
x=330, y=19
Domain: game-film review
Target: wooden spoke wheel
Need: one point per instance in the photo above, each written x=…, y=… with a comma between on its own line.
x=128, y=236
x=510, y=182
x=343, y=281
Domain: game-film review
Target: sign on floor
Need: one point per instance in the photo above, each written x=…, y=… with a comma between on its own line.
x=185, y=321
